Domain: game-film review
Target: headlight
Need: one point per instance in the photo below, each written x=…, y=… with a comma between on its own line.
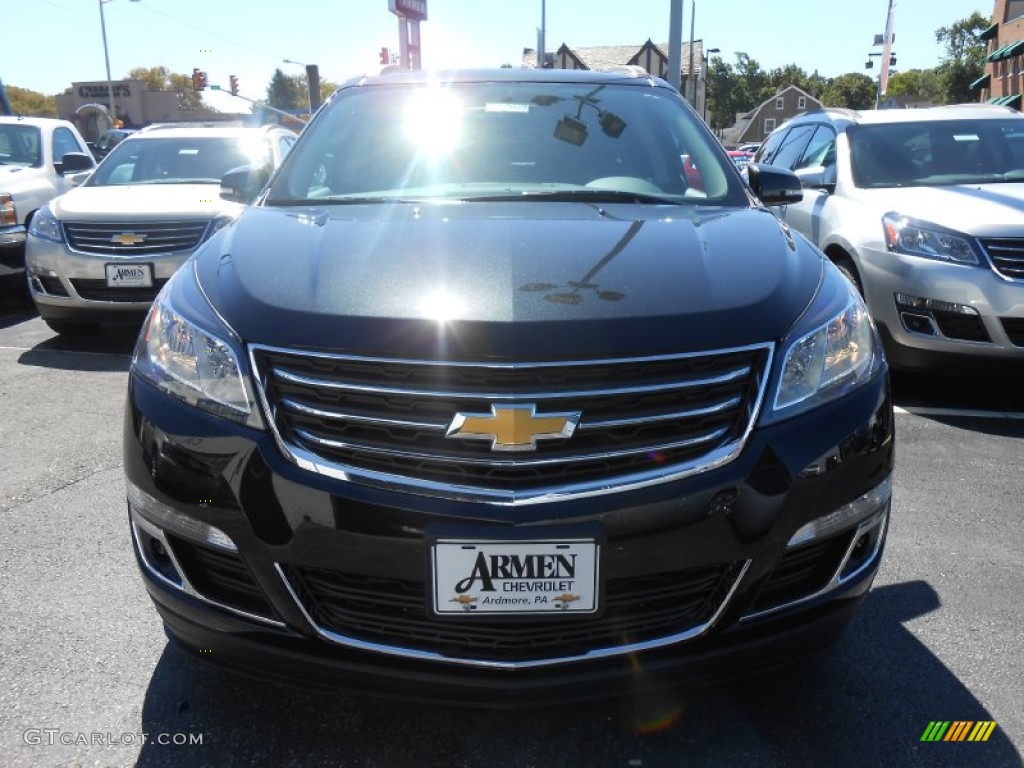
x=930, y=241
x=46, y=226
x=8, y=216
x=178, y=355
x=833, y=349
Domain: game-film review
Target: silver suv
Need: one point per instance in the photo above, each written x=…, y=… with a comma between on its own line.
x=102, y=251
x=924, y=211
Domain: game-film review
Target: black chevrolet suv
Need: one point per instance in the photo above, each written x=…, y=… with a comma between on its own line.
x=508, y=388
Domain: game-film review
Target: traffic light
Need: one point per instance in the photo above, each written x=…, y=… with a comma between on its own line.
x=234, y=85
x=198, y=79
x=385, y=57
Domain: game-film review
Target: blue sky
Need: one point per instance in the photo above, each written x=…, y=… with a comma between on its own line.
x=47, y=44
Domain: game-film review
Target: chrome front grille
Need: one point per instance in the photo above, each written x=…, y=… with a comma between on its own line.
x=1007, y=255
x=385, y=421
x=128, y=238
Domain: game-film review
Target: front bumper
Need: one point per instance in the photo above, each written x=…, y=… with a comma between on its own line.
x=12, y=251
x=967, y=312
x=68, y=285
x=242, y=608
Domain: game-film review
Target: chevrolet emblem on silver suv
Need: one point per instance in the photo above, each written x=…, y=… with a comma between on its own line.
x=128, y=238
x=513, y=427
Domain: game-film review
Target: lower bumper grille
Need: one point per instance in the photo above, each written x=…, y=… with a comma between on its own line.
x=220, y=576
x=954, y=325
x=1014, y=327
x=803, y=571
x=394, y=613
x=97, y=290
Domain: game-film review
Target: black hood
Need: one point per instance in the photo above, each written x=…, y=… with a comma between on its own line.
x=508, y=280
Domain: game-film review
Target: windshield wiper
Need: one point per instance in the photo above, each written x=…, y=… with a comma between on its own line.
x=316, y=201
x=582, y=196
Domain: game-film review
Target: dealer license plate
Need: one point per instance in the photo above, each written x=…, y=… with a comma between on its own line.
x=515, y=577
x=129, y=275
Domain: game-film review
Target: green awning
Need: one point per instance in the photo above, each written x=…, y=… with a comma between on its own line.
x=994, y=100
x=1012, y=101
x=996, y=55
x=982, y=82
x=1008, y=50
x=989, y=33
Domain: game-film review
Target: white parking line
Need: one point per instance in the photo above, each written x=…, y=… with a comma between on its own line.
x=961, y=412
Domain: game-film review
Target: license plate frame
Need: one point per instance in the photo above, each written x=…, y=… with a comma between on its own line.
x=119, y=275
x=538, y=577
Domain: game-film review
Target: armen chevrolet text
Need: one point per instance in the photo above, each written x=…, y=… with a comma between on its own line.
x=488, y=398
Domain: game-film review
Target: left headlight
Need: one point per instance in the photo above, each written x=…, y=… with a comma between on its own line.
x=927, y=240
x=833, y=349
x=46, y=226
x=186, y=351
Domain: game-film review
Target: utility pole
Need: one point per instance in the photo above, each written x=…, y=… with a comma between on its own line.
x=675, y=43
x=883, y=75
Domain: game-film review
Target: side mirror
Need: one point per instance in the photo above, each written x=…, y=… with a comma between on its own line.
x=816, y=177
x=241, y=185
x=774, y=186
x=73, y=162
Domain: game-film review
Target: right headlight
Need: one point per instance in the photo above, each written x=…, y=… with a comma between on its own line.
x=46, y=226
x=832, y=349
x=187, y=352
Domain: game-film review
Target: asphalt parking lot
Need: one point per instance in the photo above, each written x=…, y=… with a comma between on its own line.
x=86, y=669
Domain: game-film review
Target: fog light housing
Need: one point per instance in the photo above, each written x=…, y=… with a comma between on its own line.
x=846, y=516
x=904, y=300
x=167, y=518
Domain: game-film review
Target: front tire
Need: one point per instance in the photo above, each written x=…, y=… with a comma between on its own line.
x=849, y=269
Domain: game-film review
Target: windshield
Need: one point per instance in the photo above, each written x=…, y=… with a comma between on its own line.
x=177, y=160
x=936, y=153
x=486, y=141
x=20, y=145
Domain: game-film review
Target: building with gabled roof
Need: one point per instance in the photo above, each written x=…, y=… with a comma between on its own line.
x=652, y=57
x=755, y=125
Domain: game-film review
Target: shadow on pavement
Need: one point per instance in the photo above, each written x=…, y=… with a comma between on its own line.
x=109, y=348
x=865, y=701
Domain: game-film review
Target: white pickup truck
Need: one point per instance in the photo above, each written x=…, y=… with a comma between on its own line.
x=39, y=157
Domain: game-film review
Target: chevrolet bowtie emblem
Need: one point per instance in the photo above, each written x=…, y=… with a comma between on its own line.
x=128, y=238
x=513, y=427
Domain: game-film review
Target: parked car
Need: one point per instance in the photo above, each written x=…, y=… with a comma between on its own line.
x=109, y=140
x=739, y=158
x=923, y=210
x=481, y=401
x=39, y=156
x=102, y=251
x=750, y=147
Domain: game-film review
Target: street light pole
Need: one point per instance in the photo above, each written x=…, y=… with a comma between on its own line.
x=106, y=59
x=111, y=104
x=312, y=73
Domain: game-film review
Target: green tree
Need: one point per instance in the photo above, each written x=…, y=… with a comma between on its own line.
x=752, y=84
x=31, y=103
x=964, y=61
x=852, y=90
x=287, y=92
x=919, y=84
x=160, y=78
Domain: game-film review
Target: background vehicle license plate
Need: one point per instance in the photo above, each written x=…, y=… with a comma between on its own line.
x=129, y=275
x=511, y=577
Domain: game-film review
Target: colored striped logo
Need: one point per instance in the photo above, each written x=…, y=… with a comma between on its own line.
x=958, y=730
